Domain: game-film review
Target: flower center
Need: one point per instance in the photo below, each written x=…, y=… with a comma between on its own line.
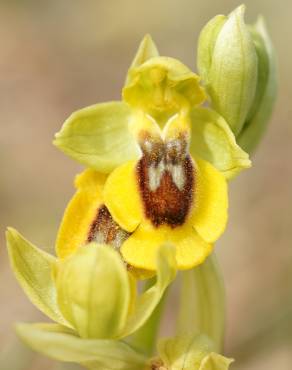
x=166, y=179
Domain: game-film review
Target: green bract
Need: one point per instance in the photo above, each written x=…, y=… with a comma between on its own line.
x=90, y=294
x=101, y=137
x=62, y=344
x=237, y=66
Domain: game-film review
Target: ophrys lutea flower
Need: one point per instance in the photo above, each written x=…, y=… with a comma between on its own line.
x=164, y=160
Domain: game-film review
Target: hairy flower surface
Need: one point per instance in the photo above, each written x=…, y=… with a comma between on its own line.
x=164, y=160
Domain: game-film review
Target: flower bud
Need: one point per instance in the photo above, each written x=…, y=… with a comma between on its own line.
x=261, y=109
x=190, y=352
x=227, y=62
x=93, y=291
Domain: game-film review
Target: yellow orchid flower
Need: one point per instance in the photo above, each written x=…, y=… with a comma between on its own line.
x=164, y=160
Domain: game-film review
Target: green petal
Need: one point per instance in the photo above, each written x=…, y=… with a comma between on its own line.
x=146, y=50
x=98, y=136
x=213, y=140
x=202, y=304
x=264, y=101
x=94, y=291
x=33, y=270
x=148, y=301
x=59, y=344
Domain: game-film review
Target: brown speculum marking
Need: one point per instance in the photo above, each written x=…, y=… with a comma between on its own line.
x=105, y=230
x=157, y=364
x=166, y=180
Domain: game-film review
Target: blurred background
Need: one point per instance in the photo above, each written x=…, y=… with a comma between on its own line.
x=57, y=56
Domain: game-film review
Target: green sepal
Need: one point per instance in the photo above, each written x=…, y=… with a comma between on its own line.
x=202, y=302
x=98, y=136
x=146, y=50
x=213, y=140
x=33, y=268
x=94, y=292
x=148, y=301
x=61, y=344
x=191, y=352
x=231, y=71
x=266, y=92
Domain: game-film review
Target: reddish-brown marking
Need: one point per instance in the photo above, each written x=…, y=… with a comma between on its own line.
x=167, y=204
x=105, y=226
x=157, y=364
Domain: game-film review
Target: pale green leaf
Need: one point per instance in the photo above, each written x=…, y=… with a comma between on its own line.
x=58, y=343
x=98, y=136
x=94, y=291
x=148, y=301
x=213, y=140
x=202, y=302
x=33, y=270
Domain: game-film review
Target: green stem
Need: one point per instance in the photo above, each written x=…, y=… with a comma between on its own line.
x=145, y=338
x=202, y=302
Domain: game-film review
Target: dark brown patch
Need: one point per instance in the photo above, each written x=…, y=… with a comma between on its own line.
x=157, y=364
x=167, y=204
x=105, y=230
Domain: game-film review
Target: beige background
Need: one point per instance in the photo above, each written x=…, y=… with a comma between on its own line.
x=57, y=56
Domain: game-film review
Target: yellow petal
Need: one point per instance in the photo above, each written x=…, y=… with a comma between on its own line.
x=141, y=248
x=209, y=215
x=122, y=198
x=80, y=212
x=191, y=249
